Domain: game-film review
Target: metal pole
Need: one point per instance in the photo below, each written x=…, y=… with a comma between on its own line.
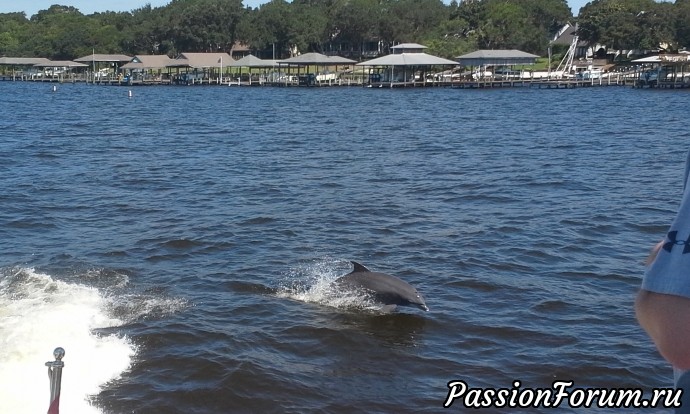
x=55, y=377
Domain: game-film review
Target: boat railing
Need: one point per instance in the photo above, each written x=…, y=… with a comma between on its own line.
x=55, y=377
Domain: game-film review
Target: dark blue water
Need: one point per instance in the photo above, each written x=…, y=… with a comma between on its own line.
x=211, y=220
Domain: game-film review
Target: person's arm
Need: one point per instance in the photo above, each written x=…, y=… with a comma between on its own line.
x=666, y=318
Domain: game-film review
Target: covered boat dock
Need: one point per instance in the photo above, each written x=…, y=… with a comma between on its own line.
x=20, y=68
x=146, y=69
x=670, y=71
x=408, y=65
x=320, y=76
x=252, y=62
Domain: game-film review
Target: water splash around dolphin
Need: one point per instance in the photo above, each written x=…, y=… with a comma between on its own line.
x=322, y=282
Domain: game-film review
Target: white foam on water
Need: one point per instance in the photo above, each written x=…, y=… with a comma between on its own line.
x=38, y=314
x=313, y=283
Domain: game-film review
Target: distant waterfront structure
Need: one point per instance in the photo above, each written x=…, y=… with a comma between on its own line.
x=203, y=66
x=483, y=59
x=401, y=67
x=149, y=67
x=497, y=57
x=664, y=71
x=20, y=68
x=250, y=61
x=319, y=61
x=408, y=66
x=98, y=61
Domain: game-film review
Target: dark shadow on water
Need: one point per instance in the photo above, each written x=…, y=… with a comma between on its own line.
x=394, y=329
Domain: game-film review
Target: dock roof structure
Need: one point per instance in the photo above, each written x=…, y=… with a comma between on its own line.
x=61, y=64
x=251, y=61
x=97, y=57
x=648, y=59
x=408, y=48
x=144, y=62
x=497, y=57
x=21, y=61
x=409, y=54
x=409, y=59
x=201, y=60
x=316, y=59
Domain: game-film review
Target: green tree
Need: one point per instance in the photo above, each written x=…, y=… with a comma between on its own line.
x=271, y=26
x=410, y=20
x=341, y=25
x=654, y=28
x=309, y=25
x=626, y=24
x=450, y=39
x=548, y=15
x=506, y=26
x=13, y=28
x=147, y=32
x=682, y=22
x=61, y=33
x=203, y=25
x=355, y=22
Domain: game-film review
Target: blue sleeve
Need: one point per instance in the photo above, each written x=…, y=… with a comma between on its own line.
x=669, y=273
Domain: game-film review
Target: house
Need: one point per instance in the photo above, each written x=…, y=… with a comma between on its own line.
x=566, y=36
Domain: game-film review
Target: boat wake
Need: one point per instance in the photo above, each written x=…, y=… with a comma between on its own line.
x=39, y=313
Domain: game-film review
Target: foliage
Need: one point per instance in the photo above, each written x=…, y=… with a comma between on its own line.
x=201, y=25
x=341, y=26
x=12, y=29
x=628, y=24
x=682, y=22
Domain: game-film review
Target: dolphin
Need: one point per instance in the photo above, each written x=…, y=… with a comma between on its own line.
x=386, y=289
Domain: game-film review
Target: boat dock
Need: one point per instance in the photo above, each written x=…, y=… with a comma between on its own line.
x=489, y=83
x=546, y=83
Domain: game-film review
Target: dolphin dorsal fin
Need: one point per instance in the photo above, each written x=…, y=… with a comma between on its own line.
x=358, y=267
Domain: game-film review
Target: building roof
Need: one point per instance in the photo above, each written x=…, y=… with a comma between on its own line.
x=408, y=59
x=339, y=60
x=316, y=59
x=251, y=61
x=96, y=57
x=61, y=64
x=240, y=47
x=202, y=60
x=21, y=61
x=148, y=62
x=408, y=48
x=566, y=35
x=648, y=59
x=408, y=54
x=497, y=57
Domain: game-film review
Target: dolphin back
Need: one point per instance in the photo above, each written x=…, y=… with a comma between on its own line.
x=387, y=289
x=358, y=268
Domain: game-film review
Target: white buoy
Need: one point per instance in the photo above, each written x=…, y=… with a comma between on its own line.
x=54, y=88
x=130, y=93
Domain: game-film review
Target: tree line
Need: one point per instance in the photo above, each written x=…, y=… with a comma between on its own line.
x=346, y=27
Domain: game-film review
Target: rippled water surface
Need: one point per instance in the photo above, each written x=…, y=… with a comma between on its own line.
x=180, y=244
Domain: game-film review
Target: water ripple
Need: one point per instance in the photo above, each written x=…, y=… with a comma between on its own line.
x=209, y=217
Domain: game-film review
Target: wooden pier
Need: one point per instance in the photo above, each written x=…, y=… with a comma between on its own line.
x=545, y=83
x=667, y=84
x=462, y=84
